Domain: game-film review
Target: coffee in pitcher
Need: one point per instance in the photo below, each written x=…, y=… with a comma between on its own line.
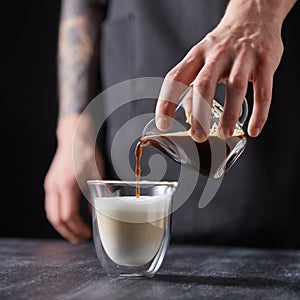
x=212, y=157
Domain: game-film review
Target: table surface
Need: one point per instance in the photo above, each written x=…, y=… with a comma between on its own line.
x=55, y=269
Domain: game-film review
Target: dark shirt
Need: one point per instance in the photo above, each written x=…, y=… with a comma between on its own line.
x=258, y=203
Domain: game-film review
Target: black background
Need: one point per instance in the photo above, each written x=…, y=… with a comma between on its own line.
x=29, y=97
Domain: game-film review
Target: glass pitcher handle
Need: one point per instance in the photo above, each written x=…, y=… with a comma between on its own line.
x=150, y=129
x=244, y=113
x=181, y=99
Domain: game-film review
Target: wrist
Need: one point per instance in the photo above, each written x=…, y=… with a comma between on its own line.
x=67, y=127
x=268, y=12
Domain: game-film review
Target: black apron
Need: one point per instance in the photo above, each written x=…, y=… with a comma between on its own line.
x=258, y=203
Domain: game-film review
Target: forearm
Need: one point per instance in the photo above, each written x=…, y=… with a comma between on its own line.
x=78, y=51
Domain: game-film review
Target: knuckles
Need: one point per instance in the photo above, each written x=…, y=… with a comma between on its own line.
x=174, y=75
x=264, y=97
x=49, y=183
x=221, y=49
x=264, y=56
x=67, y=216
x=194, y=53
x=237, y=81
x=59, y=220
x=53, y=218
x=203, y=82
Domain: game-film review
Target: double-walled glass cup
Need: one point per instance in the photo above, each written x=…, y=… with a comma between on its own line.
x=131, y=235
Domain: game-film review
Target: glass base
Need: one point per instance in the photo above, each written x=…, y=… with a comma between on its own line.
x=131, y=275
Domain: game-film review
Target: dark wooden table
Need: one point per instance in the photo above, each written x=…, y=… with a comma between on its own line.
x=55, y=269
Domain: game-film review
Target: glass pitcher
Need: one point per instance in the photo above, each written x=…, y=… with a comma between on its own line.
x=211, y=158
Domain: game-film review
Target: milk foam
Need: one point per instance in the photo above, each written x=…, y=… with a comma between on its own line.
x=131, y=229
x=132, y=209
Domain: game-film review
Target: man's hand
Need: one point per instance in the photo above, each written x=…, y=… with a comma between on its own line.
x=61, y=187
x=245, y=46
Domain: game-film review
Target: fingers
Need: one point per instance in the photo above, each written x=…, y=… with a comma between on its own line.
x=52, y=207
x=63, y=213
x=201, y=111
x=235, y=94
x=175, y=83
x=262, y=100
x=69, y=212
x=203, y=93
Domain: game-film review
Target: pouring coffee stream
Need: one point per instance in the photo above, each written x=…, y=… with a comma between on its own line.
x=138, y=155
x=211, y=158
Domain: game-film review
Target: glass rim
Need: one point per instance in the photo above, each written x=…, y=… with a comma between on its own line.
x=131, y=182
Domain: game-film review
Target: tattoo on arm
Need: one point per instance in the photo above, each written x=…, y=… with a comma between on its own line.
x=78, y=50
